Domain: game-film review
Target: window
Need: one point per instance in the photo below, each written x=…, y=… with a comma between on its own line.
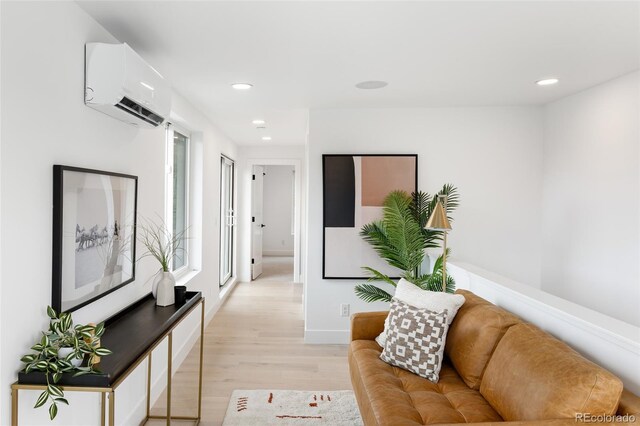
x=178, y=192
x=227, y=219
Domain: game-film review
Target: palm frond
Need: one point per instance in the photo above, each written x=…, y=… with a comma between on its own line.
x=433, y=238
x=437, y=265
x=400, y=239
x=375, y=233
x=436, y=283
x=419, y=207
x=426, y=282
x=433, y=282
x=370, y=293
x=378, y=276
x=397, y=237
x=403, y=231
x=453, y=198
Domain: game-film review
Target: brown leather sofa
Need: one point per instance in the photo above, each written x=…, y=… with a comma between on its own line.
x=497, y=369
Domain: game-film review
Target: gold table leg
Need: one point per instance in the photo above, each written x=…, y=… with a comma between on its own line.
x=169, y=362
x=201, y=360
x=112, y=408
x=103, y=408
x=14, y=407
x=149, y=385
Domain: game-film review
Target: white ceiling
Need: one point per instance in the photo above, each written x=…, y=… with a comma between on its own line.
x=302, y=55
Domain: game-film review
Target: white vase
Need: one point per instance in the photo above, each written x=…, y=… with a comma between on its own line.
x=64, y=352
x=165, y=294
x=154, y=285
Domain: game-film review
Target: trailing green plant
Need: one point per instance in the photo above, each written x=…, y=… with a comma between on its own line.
x=400, y=239
x=81, y=339
x=161, y=244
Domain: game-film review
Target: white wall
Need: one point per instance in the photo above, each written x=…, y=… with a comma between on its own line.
x=3, y=389
x=254, y=155
x=45, y=122
x=590, y=209
x=278, y=211
x=493, y=155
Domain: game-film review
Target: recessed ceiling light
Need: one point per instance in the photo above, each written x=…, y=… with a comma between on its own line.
x=258, y=122
x=261, y=127
x=242, y=86
x=266, y=138
x=547, y=82
x=373, y=84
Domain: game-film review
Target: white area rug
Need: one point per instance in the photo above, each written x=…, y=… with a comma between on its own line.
x=287, y=407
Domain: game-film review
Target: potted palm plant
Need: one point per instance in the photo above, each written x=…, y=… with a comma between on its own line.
x=164, y=246
x=401, y=239
x=62, y=349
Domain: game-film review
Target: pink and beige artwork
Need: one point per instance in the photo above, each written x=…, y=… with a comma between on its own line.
x=355, y=187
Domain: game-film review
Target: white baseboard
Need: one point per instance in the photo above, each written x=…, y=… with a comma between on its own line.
x=327, y=337
x=282, y=253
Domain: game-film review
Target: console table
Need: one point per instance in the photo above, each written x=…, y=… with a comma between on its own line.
x=132, y=334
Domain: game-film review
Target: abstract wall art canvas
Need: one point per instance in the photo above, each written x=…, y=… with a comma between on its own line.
x=355, y=187
x=94, y=235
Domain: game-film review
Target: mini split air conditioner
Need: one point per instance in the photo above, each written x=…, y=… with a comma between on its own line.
x=121, y=84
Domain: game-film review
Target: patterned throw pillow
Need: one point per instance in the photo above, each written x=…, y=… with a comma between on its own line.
x=436, y=301
x=416, y=339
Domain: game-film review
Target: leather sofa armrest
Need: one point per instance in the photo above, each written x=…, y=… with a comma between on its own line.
x=367, y=325
x=629, y=403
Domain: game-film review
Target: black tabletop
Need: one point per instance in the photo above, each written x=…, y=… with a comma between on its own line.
x=129, y=334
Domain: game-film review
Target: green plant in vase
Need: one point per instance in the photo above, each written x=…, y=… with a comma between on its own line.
x=164, y=246
x=62, y=349
x=401, y=239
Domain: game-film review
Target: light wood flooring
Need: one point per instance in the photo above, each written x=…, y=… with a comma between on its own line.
x=255, y=341
x=277, y=268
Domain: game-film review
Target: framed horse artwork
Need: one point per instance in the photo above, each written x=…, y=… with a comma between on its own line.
x=94, y=234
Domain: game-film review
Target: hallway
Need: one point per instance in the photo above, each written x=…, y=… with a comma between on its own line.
x=255, y=341
x=276, y=268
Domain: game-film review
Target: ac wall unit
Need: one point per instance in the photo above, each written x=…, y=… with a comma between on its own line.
x=121, y=84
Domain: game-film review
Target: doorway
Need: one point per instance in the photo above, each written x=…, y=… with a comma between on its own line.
x=275, y=222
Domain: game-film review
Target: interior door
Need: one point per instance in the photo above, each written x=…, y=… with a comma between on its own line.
x=256, y=221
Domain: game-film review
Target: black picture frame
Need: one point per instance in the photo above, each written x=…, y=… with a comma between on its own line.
x=325, y=203
x=105, y=198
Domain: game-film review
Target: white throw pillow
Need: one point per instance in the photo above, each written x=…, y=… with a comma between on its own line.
x=436, y=301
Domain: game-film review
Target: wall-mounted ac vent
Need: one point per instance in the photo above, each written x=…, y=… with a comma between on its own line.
x=139, y=111
x=121, y=84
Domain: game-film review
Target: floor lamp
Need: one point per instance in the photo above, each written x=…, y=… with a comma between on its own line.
x=438, y=221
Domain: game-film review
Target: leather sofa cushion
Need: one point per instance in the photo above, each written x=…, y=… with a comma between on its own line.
x=390, y=396
x=474, y=335
x=533, y=376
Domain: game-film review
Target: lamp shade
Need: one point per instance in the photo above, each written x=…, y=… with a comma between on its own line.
x=438, y=219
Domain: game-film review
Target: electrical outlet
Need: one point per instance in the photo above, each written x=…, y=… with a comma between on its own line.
x=344, y=310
